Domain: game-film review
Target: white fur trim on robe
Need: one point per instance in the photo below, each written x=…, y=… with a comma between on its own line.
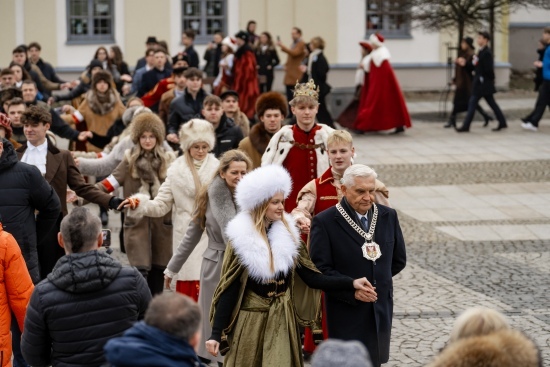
x=253, y=251
x=380, y=55
x=281, y=143
x=365, y=64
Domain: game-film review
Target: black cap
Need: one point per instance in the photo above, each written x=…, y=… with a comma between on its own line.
x=242, y=35
x=180, y=56
x=228, y=93
x=470, y=42
x=95, y=63
x=485, y=35
x=179, y=71
x=151, y=39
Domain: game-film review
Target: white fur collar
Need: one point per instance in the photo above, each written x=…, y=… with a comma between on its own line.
x=380, y=55
x=180, y=173
x=253, y=252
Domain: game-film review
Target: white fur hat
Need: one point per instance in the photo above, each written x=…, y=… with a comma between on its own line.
x=230, y=42
x=377, y=39
x=261, y=185
x=194, y=131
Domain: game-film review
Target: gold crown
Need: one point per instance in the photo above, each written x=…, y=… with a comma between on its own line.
x=308, y=89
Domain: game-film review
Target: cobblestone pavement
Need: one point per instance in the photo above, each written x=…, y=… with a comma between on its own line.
x=474, y=213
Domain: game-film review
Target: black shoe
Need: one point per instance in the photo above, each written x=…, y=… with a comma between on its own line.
x=487, y=120
x=398, y=130
x=499, y=127
x=450, y=123
x=104, y=218
x=462, y=129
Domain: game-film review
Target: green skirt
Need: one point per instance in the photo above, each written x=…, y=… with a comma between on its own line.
x=265, y=334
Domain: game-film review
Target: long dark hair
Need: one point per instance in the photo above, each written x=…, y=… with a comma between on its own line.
x=26, y=75
x=118, y=59
x=269, y=39
x=109, y=63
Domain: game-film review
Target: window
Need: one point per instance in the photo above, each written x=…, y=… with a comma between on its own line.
x=389, y=17
x=90, y=20
x=205, y=17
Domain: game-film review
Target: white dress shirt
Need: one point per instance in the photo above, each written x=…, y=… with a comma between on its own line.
x=36, y=156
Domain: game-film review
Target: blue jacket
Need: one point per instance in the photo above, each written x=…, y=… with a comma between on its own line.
x=546, y=64
x=144, y=345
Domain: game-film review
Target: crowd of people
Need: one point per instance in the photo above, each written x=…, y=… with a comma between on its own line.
x=263, y=231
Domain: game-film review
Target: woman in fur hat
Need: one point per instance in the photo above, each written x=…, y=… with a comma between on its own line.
x=99, y=110
x=483, y=337
x=142, y=170
x=264, y=295
x=214, y=208
x=184, y=180
x=271, y=109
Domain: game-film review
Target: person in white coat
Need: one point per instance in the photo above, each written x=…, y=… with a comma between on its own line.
x=184, y=180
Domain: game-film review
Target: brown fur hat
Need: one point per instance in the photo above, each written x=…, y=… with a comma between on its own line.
x=147, y=121
x=503, y=348
x=271, y=101
x=102, y=75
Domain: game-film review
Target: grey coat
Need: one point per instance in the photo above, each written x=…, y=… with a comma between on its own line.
x=221, y=209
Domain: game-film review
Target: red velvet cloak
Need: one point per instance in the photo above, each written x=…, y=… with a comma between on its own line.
x=245, y=82
x=383, y=106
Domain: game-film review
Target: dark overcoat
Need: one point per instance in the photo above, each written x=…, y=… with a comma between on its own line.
x=484, y=79
x=336, y=250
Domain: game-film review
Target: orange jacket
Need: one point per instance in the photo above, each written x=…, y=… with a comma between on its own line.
x=15, y=291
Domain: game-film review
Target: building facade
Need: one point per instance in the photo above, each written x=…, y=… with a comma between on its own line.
x=71, y=30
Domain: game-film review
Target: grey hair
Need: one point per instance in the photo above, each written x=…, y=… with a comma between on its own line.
x=341, y=353
x=175, y=314
x=80, y=230
x=357, y=170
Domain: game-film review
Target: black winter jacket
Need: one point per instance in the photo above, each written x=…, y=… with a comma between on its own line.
x=228, y=136
x=22, y=191
x=183, y=109
x=86, y=300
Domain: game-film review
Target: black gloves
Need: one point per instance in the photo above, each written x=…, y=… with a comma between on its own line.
x=115, y=202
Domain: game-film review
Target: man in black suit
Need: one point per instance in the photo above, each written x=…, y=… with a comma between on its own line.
x=358, y=238
x=483, y=85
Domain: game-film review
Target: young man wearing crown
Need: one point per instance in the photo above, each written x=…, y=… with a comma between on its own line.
x=300, y=148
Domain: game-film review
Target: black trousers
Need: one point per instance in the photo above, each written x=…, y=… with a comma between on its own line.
x=472, y=104
x=323, y=116
x=543, y=100
x=50, y=251
x=266, y=87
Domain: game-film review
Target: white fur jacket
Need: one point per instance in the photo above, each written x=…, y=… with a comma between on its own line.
x=178, y=193
x=281, y=143
x=253, y=252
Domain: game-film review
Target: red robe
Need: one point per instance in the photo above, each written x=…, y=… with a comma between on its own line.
x=245, y=80
x=301, y=163
x=153, y=96
x=383, y=106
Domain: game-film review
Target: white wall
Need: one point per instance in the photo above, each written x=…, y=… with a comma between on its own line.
x=530, y=15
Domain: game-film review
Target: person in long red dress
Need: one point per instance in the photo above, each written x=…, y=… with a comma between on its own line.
x=384, y=107
x=245, y=75
x=348, y=115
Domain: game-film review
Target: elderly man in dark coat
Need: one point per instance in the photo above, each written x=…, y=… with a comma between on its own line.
x=358, y=238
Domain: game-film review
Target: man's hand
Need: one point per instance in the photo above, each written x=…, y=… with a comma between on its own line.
x=85, y=135
x=115, y=203
x=51, y=100
x=126, y=78
x=173, y=138
x=71, y=196
x=538, y=64
x=365, y=292
x=304, y=224
x=65, y=86
x=213, y=347
x=279, y=43
x=167, y=281
x=126, y=88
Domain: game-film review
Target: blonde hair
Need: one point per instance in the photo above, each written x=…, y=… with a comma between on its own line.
x=318, y=42
x=307, y=100
x=193, y=169
x=339, y=137
x=226, y=159
x=478, y=321
x=259, y=218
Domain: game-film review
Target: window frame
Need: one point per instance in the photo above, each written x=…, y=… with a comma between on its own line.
x=90, y=38
x=204, y=38
x=386, y=13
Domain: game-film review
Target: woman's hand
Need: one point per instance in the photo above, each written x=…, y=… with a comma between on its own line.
x=213, y=347
x=304, y=224
x=167, y=281
x=131, y=203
